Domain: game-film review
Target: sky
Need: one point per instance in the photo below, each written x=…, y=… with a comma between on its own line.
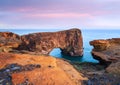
x=59, y=14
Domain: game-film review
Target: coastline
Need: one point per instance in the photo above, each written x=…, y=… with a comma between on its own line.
x=17, y=64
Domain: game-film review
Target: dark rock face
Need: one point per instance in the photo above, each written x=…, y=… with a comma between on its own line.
x=104, y=79
x=5, y=73
x=69, y=41
x=108, y=53
x=96, y=74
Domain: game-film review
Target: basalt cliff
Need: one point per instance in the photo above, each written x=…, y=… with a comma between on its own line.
x=69, y=41
x=108, y=53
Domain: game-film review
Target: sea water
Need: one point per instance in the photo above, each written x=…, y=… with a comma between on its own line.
x=88, y=35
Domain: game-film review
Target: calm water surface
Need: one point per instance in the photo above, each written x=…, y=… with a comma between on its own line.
x=88, y=35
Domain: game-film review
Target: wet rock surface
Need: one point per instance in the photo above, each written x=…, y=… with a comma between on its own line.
x=5, y=73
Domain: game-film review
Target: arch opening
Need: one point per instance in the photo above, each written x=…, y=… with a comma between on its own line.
x=56, y=52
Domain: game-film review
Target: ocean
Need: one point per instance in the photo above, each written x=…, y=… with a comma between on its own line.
x=88, y=35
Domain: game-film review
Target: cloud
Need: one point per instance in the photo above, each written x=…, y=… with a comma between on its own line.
x=58, y=15
x=50, y=13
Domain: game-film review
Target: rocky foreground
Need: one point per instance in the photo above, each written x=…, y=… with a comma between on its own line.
x=25, y=69
x=96, y=74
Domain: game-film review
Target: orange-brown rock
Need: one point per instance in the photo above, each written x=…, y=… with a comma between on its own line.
x=69, y=41
x=50, y=71
x=108, y=53
x=100, y=44
x=9, y=40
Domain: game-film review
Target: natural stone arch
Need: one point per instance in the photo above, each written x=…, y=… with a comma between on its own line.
x=69, y=41
x=56, y=52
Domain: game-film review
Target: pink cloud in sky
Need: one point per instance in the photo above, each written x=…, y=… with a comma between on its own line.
x=58, y=15
x=81, y=13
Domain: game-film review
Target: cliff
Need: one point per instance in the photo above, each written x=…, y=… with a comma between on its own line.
x=17, y=68
x=69, y=41
x=108, y=53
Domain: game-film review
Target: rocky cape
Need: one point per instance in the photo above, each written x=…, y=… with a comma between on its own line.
x=69, y=41
x=108, y=53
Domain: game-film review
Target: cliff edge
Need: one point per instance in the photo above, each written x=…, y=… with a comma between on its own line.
x=108, y=53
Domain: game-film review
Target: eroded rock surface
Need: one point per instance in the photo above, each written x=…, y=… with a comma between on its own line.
x=69, y=41
x=8, y=70
x=8, y=41
x=108, y=53
x=96, y=74
x=25, y=69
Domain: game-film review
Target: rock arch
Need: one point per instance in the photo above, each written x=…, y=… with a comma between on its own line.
x=56, y=52
x=69, y=41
